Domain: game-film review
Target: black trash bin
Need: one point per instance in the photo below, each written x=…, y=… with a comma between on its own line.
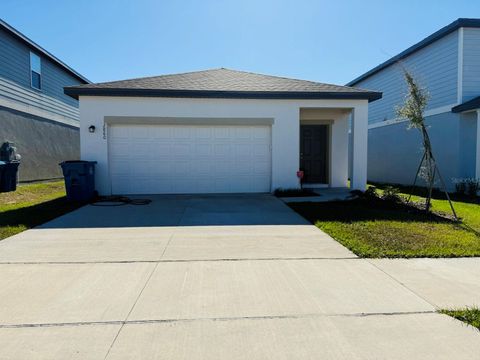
x=79, y=179
x=8, y=180
x=10, y=161
x=2, y=167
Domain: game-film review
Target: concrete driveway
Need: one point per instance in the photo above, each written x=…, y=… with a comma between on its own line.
x=208, y=277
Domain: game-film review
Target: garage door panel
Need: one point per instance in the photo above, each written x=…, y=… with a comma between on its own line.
x=161, y=168
x=221, y=133
x=120, y=132
x=259, y=183
x=180, y=151
x=222, y=167
x=162, y=186
x=121, y=148
x=261, y=150
x=203, y=168
x=243, y=150
x=141, y=168
x=239, y=168
x=261, y=168
x=182, y=185
x=204, y=185
x=140, y=134
x=203, y=150
x=161, y=133
x=160, y=150
x=222, y=149
x=182, y=132
x=143, y=149
x=182, y=168
x=203, y=133
x=243, y=133
x=119, y=167
x=148, y=159
x=262, y=133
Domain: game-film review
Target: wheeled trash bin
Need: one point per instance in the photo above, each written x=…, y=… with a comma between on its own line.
x=79, y=179
x=9, y=163
x=8, y=180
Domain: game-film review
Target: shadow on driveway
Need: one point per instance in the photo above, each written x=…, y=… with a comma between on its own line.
x=184, y=210
x=37, y=214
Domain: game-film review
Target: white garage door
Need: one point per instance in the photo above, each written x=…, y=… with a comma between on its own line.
x=166, y=159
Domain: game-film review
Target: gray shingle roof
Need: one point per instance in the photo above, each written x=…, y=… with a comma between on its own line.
x=222, y=83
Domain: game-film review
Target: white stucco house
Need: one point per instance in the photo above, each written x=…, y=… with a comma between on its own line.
x=222, y=131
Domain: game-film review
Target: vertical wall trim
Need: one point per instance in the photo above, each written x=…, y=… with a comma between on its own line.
x=477, y=167
x=358, y=179
x=460, y=67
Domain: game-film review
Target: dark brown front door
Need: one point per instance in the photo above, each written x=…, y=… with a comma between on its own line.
x=314, y=153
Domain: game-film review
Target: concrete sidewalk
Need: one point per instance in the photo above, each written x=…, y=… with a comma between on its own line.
x=444, y=283
x=252, y=281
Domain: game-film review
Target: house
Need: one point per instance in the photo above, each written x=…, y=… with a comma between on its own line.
x=221, y=131
x=35, y=114
x=447, y=63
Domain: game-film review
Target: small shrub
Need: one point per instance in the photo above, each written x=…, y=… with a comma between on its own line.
x=358, y=193
x=467, y=186
x=392, y=194
x=371, y=192
x=460, y=186
x=473, y=186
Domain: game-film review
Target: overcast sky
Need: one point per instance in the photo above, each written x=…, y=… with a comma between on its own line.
x=328, y=41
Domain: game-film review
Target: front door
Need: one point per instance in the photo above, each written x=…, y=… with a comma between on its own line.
x=314, y=153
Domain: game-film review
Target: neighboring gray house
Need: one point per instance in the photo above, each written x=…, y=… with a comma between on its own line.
x=35, y=114
x=447, y=63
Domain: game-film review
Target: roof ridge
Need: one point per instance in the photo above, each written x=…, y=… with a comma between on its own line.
x=287, y=78
x=154, y=76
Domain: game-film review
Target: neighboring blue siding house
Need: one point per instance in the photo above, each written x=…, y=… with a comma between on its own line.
x=35, y=114
x=447, y=63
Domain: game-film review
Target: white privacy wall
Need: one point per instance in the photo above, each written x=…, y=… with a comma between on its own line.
x=285, y=128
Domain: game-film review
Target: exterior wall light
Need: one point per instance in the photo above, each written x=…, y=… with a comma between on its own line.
x=91, y=128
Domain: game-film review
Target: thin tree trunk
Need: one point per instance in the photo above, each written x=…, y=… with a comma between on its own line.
x=416, y=177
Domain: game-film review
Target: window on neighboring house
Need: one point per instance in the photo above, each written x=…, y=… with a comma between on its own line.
x=35, y=71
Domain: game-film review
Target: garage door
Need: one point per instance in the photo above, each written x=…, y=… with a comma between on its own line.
x=166, y=159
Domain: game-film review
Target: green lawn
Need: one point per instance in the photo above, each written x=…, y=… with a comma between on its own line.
x=470, y=316
x=32, y=205
x=374, y=228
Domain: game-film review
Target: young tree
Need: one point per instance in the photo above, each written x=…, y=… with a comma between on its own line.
x=413, y=110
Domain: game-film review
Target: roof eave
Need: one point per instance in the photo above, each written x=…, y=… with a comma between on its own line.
x=41, y=50
x=471, y=105
x=75, y=92
x=457, y=24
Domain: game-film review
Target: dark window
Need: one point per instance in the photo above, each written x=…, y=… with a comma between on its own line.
x=36, y=80
x=35, y=71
